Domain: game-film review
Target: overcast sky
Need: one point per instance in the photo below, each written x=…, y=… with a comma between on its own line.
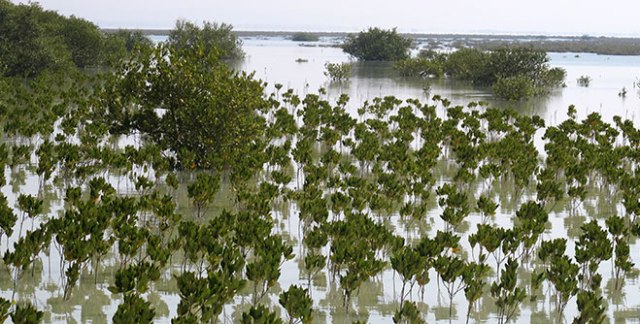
x=551, y=17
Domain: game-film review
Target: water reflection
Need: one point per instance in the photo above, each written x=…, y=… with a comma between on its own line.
x=376, y=300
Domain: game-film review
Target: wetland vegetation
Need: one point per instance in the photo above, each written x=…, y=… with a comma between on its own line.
x=164, y=185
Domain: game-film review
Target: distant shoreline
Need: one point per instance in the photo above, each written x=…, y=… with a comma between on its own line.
x=249, y=33
x=578, y=44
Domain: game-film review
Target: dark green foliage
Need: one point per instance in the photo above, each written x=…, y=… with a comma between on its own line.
x=474, y=283
x=298, y=304
x=264, y=270
x=304, y=37
x=550, y=250
x=211, y=116
x=469, y=64
x=7, y=217
x=4, y=309
x=510, y=62
x=531, y=222
x=202, y=299
x=135, y=278
x=354, y=243
x=455, y=204
x=213, y=37
x=563, y=274
x=132, y=39
x=408, y=314
x=260, y=315
x=338, y=71
x=134, y=309
x=84, y=41
x=619, y=231
x=513, y=88
x=593, y=247
x=418, y=67
x=30, y=205
x=26, y=313
x=411, y=267
x=513, y=72
x=377, y=44
x=592, y=308
x=451, y=270
x=203, y=190
x=506, y=292
x=360, y=181
x=27, y=249
x=121, y=44
x=26, y=46
x=554, y=77
x=34, y=40
x=487, y=206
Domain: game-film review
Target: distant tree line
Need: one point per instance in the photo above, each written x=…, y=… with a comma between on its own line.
x=597, y=45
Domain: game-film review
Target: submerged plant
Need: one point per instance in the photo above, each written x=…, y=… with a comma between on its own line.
x=408, y=314
x=584, y=81
x=298, y=305
x=25, y=312
x=134, y=310
x=508, y=296
x=338, y=71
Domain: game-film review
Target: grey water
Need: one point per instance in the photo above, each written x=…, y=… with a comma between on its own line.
x=276, y=61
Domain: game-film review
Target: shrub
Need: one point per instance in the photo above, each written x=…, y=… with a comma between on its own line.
x=26, y=313
x=210, y=114
x=514, y=88
x=34, y=40
x=415, y=67
x=304, y=37
x=337, y=71
x=468, y=64
x=584, y=81
x=212, y=35
x=132, y=39
x=120, y=44
x=84, y=41
x=509, y=62
x=554, y=77
x=27, y=48
x=134, y=310
x=377, y=44
x=513, y=72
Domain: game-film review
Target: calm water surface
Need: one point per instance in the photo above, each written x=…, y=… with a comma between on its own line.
x=274, y=61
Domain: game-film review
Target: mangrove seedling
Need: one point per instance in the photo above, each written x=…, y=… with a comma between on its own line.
x=507, y=294
x=298, y=304
x=203, y=190
x=408, y=314
x=134, y=309
x=25, y=312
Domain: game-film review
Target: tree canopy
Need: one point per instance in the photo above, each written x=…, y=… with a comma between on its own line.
x=190, y=103
x=514, y=73
x=33, y=40
x=377, y=44
x=212, y=35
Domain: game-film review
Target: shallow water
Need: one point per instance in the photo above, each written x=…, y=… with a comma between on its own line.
x=274, y=61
